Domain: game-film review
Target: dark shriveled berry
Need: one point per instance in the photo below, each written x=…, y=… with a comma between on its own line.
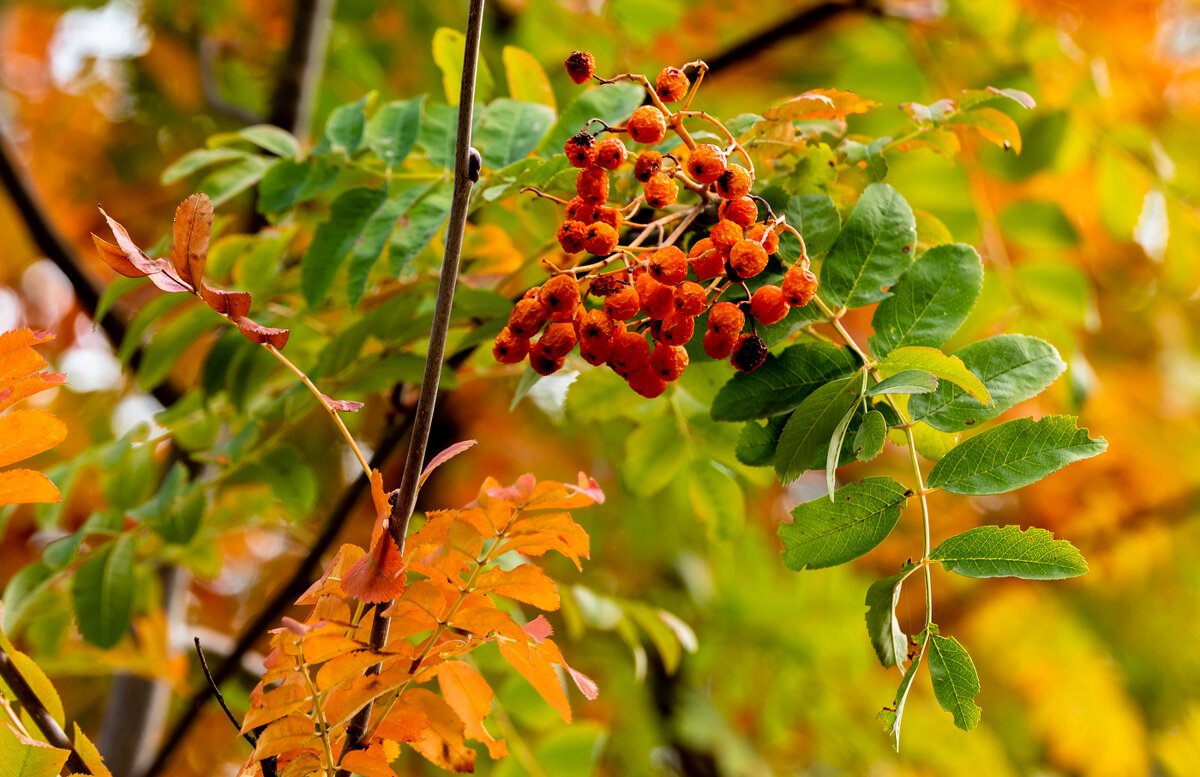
x=580, y=66
x=749, y=353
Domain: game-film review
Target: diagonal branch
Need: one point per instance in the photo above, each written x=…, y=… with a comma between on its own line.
x=33, y=705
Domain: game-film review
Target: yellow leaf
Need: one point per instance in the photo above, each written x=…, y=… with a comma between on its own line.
x=527, y=80
x=89, y=754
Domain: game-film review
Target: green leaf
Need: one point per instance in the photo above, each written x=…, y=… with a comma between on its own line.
x=809, y=429
x=171, y=340
x=439, y=132
x=905, y=382
x=868, y=443
x=716, y=499
x=375, y=234
x=420, y=223
x=229, y=181
x=894, y=716
x=334, y=239
x=816, y=218
x=955, y=681
x=782, y=382
x=888, y=639
x=102, y=591
x=527, y=80
x=869, y=157
x=290, y=182
x=994, y=551
x=824, y=534
x=931, y=301
x=509, y=130
x=1013, y=454
x=197, y=160
x=278, y=141
x=449, y=46
x=833, y=454
x=611, y=102
x=345, y=127
x=392, y=131
x=25, y=757
x=1013, y=367
x=116, y=288
x=874, y=249
x=931, y=360
x=756, y=443
x=1038, y=224
x=653, y=454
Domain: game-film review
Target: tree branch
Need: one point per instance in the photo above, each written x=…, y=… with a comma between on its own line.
x=41, y=717
x=295, y=92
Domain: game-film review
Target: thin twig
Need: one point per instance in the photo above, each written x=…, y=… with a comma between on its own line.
x=249, y=737
x=41, y=716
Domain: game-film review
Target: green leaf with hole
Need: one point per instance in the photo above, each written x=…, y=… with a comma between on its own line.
x=1007, y=551
x=888, y=639
x=824, y=533
x=955, y=681
x=905, y=382
x=102, y=591
x=931, y=301
x=936, y=363
x=810, y=428
x=782, y=382
x=392, y=131
x=1012, y=455
x=1014, y=368
x=868, y=442
x=874, y=248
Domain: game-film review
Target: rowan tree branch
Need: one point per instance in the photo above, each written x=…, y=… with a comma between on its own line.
x=41, y=717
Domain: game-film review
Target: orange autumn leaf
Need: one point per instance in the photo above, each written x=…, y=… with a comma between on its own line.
x=25, y=433
x=330, y=583
x=285, y=734
x=28, y=432
x=371, y=762
x=530, y=664
x=470, y=696
x=14, y=389
x=20, y=362
x=526, y=583
x=25, y=486
x=379, y=575
x=442, y=742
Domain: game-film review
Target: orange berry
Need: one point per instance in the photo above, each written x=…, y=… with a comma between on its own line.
x=727, y=319
x=509, y=348
x=610, y=216
x=735, y=181
x=690, y=299
x=671, y=85
x=718, y=345
x=676, y=329
x=560, y=294
x=799, y=286
x=746, y=259
x=581, y=150
x=706, y=259
x=768, y=305
x=742, y=211
x=647, y=383
x=725, y=234
x=660, y=191
x=623, y=305
x=527, y=318
x=571, y=235
x=657, y=299
x=592, y=185
x=610, y=153
x=749, y=353
x=648, y=163
x=669, y=361
x=630, y=352
x=668, y=265
x=580, y=66
x=542, y=362
x=600, y=239
x=559, y=339
x=578, y=210
x=769, y=239
x=596, y=325
x=596, y=352
x=647, y=125
x=706, y=163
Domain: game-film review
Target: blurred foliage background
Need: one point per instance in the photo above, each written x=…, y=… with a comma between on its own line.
x=1089, y=238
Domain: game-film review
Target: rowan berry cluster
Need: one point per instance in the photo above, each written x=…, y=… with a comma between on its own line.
x=658, y=291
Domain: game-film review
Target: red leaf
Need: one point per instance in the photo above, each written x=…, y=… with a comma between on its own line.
x=586, y=685
x=442, y=458
x=377, y=576
x=233, y=304
x=344, y=405
x=276, y=338
x=189, y=244
x=539, y=628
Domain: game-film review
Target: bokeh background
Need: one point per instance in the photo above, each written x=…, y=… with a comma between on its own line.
x=1090, y=241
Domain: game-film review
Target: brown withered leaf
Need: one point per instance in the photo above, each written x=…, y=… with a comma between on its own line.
x=159, y=271
x=190, y=237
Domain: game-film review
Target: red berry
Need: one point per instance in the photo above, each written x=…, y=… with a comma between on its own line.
x=610, y=216
x=660, y=191
x=630, y=353
x=647, y=383
x=509, y=348
x=558, y=340
x=657, y=299
x=799, y=286
x=690, y=299
x=749, y=353
x=726, y=319
x=596, y=325
x=578, y=210
x=581, y=150
x=676, y=329
x=527, y=318
x=571, y=235
x=647, y=125
x=668, y=265
x=560, y=294
x=580, y=66
x=669, y=361
x=707, y=260
x=610, y=153
x=742, y=211
x=671, y=84
x=717, y=345
x=648, y=163
x=705, y=163
x=596, y=352
x=768, y=305
x=623, y=305
x=542, y=362
x=735, y=181
x=592, y=185
x=747, y=259
x=769, y=239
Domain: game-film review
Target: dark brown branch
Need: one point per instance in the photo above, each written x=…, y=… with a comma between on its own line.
x=296, y=585
x=216, y=689
x=804, y=21
x=58, y=250
x=300, y=72
x=466, y=172
x=41, y=717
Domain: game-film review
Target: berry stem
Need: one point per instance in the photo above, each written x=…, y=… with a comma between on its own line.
x=724, y=130
x=543, y=195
